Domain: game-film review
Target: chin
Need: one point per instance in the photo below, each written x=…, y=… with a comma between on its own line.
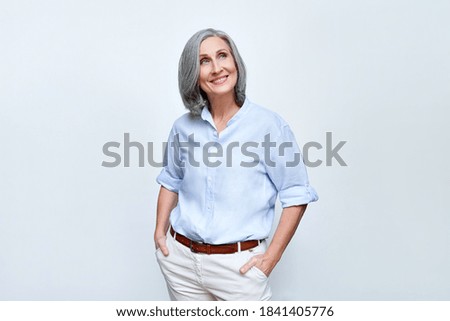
x=219, y=93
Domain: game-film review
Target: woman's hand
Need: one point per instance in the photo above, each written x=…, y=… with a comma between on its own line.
x=262, y=261
x=160, y=243
x=290, y=218
x=167, y=200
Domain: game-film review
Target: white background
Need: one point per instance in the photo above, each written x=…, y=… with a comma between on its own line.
x=77, y=74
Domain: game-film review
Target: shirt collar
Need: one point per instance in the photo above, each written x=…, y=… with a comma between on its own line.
x=206, y=114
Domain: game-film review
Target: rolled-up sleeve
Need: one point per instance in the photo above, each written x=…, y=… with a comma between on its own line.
x=288, y=172
x=171, y=175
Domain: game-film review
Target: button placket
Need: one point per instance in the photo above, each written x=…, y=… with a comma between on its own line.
x=210, y=179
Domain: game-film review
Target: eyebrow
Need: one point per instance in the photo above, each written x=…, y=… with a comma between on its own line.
x=205, y=55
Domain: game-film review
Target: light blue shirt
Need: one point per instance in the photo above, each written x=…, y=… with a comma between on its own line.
x=227, y=183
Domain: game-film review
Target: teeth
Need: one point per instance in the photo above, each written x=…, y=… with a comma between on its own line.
x=220, y=80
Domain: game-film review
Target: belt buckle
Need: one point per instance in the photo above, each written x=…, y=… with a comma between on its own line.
x=191, y=247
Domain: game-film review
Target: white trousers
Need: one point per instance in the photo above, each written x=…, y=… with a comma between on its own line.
x=203, y=277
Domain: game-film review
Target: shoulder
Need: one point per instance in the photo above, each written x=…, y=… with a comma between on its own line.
x=264, y=117
x=186, y=121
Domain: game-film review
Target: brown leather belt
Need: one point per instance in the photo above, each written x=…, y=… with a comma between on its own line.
x=206, y=248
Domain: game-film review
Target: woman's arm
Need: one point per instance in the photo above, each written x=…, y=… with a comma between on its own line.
x=289, y=221
x=167, y=201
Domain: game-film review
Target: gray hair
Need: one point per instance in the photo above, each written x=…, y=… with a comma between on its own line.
x=189, y=70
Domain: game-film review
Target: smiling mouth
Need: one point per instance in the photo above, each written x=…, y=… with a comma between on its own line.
x=219, y=81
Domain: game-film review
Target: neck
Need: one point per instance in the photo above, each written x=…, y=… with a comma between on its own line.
x=222, y=110
x=223, y=107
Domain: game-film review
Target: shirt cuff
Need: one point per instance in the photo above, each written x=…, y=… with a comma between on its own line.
x=297, y=195
x=171, y=183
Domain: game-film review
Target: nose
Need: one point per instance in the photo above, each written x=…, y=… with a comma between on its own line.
x=216, y=67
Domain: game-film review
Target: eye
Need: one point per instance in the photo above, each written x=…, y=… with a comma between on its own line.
x=204, y=61
x=223, y=55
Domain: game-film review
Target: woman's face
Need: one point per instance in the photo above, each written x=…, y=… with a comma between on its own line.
x=218, y=73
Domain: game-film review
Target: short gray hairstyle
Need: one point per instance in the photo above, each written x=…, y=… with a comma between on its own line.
x=194, y=98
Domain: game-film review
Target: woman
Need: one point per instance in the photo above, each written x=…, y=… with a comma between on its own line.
x=226, y=162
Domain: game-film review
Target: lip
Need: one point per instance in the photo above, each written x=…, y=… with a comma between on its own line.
x=219, y=80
